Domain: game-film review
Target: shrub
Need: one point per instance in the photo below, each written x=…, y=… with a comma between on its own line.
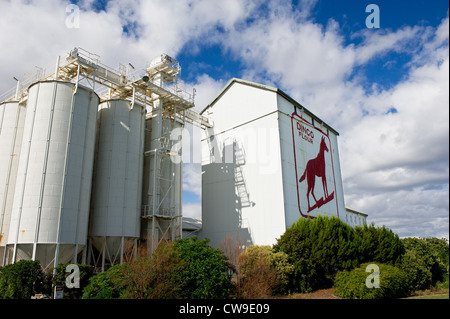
x=205, y=273
x=144, y=278
x=86, y=272
x=157, y=278
x=262, y=272
x=424, y=261
x=393, y=283
x=377, y=244
x=106, y=285
x=21, y=280
x=256, y=275
x=319, y=248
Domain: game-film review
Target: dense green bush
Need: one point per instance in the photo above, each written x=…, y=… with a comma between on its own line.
x=319, y=248
x=425, y=261
x=377, y=244
x=393, y=283
x=205, y=274
x=21, y=280
x=86, y=272
x=106, y=285
x=185, y=268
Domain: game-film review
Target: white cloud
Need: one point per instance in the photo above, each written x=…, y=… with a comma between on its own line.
x=192, y=181
x=192, y=210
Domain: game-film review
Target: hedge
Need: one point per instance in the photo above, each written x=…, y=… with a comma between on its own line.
x=393, y=283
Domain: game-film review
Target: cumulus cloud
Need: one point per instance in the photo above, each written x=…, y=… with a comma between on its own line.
x=192, y=181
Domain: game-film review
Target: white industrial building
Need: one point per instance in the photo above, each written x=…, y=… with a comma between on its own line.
x=266, y=162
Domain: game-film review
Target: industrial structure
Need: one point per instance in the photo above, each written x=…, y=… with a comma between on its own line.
x=84, y=128
x=91, y=163
x=264, y=169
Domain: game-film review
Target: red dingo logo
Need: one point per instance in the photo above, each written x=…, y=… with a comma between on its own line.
x=315, y=166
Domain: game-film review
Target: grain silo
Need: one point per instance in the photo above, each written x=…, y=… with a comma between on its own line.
x=51, y=203
x=117, y=184
x=12, y=117
x=50, y=215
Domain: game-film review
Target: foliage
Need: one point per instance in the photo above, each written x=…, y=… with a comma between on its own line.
x=86, y=272
x=256, y=275
x=106, y=285
x=186, y=268
x=205, y=274
x=144, y=278
x=21, y=280
x=393, y=283
x=156, y=278
x=425, y=261
x=377, y=244
x=319, y=248
x=262, y=272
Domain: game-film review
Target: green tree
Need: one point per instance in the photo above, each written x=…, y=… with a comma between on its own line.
x=424, y=261
x=319, y=248
x=86, y=272
x=377, y=244
x=204, y=275
x=21, y=280
x=106, y=285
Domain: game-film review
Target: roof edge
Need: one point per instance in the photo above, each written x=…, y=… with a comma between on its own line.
x=241, y=81
x=269, y=88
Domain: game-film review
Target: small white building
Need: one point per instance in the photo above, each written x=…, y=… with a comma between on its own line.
x=266, y=162
x=354, y=217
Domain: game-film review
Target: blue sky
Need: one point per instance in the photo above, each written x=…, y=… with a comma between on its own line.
x=385, y=90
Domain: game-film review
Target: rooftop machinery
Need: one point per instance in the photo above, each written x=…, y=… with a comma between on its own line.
x=132, y=106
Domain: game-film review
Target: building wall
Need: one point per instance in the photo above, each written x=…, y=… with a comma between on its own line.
x=242, y=193
x=253, y=160
x=300, y=138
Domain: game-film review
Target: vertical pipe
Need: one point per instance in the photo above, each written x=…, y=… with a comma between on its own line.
x=17, y=90
x=57, y=67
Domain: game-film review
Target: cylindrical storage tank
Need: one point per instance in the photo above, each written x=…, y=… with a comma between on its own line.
x=114, y=225
x=49, y=219
x=12, y=118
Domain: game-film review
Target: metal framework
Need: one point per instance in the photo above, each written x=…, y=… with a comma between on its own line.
x=159, y=92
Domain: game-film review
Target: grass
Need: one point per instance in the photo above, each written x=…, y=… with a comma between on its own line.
x=440, y=296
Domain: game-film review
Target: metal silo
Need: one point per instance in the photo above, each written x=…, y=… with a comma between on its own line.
x=114, y=226
x=12, y=117
x=49, y=219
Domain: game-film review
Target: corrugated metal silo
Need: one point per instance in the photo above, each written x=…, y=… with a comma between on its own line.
x=117, y=185
x=12, y=118
x=49, y=219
